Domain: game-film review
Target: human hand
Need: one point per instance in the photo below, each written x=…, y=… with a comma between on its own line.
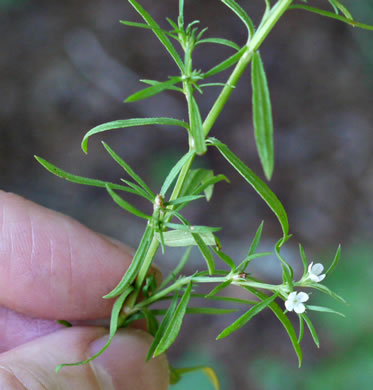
x=52, y=267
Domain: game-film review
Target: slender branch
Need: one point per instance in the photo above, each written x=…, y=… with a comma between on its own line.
x=269, y=21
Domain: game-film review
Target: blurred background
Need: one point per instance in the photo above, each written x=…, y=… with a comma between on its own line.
x=67, y=66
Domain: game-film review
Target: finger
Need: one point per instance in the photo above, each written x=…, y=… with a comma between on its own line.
x=121, y=367
x=52, y=266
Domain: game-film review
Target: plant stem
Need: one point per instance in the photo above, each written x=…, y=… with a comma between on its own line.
x=204, y=279
x=269, y=21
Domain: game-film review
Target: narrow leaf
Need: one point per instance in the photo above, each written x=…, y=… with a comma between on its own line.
x=192, y=228
x=117, y=307
x=259, y=186
x=178, y=238
x=196, y=128
x=288, y=272
x=129, y=170
x=335, y=261
x=218, y=288
x=205, y=251
x=139, y=190
x=151, y=322
x=200, y=310
x=337, y=6
x=160, y=34
x=220, y=41
x=121, y=124
x=326, y=290
x=324, y=310
x=311, y=329
x=256, y=240
x=237, y=9
x=145, y=26
x=262, y=115
x=332, y=16
x=155, y=82
x=227, y=63
x=79, y=179
x=174, y=325
x=301, y=328
x=248, y=259
x=153, y=90
x=304, y=259
x=227, y=260
x=163, y=326
x=125, y=205
x=175, y=171
x=245, y=318
x=184, y=199
x=208, y=184
x=135, y=265
x=284, y=320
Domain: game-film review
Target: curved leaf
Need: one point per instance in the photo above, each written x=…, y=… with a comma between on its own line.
x=117, y=307
x=129, y=170
x=159, y=33
x=205, y=251
x=331, y=15
x=153, y=90
x=121, y=124
x=80, y=179
x=284, y=320
x=125, y=205
x=227, y=63
x=220, y=41
x=174, y=325
x=179, y=238
x=237, y=9
x=245, y=318
x=259, y=186
x=135, y=265
x=262, y=115
x=175, y=171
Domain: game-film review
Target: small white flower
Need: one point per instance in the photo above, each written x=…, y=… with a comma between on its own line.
x=295, y=302
x=315, y=272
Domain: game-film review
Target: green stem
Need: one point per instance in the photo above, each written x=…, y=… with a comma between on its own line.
x=269, y=21
x=271, y=18
x=204, y=279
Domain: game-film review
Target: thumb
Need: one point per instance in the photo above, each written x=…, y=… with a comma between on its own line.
x=121, y=367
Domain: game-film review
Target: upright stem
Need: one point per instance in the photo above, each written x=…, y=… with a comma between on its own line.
x=270, y=20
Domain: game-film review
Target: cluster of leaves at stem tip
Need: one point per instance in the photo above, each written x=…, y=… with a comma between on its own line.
x=166, y=226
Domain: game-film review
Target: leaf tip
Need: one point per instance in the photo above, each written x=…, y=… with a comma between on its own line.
x=84, y=145
x=58, y=368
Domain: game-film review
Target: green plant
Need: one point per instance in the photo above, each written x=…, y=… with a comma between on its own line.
x=137, y=292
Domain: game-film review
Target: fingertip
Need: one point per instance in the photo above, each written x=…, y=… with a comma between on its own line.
x=121, y=366
x=129, y=349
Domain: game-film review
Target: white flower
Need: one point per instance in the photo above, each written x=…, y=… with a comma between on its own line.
x=314, y=272
x=295, y=302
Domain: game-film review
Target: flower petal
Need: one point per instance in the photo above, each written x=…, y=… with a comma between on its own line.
x=321, y=277
x=310, y=268
x=314, y=277
x=303, y=297
x=299, y=308
x=317, y=269
x=292, y=296
x=289, y=304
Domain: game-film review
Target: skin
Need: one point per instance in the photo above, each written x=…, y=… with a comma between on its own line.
x=52, y=267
